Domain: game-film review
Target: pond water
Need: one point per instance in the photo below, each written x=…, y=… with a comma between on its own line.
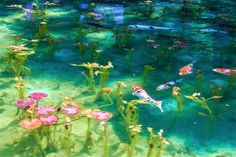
x=89, y=60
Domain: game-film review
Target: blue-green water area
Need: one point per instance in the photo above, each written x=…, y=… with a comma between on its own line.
x=49, y=47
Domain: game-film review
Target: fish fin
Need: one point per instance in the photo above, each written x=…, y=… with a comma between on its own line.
x=179, y=80
x=196, y=60
x=159, y=105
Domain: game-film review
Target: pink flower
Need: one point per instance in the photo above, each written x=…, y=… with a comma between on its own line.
x=71, y=110
x=24, y=103
x=44, y=109
x=38, y=96
x=30, y=123
x=101, y=115
x=50, y=119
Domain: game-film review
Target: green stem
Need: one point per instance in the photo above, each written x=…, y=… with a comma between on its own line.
x=106, y=150
x=38, y=141
x=89, y=142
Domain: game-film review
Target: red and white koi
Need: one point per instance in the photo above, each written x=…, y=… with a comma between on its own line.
x=142, y=94
x=168, y=85
x=225, y=71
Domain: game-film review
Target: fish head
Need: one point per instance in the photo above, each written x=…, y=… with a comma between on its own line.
x=158, y=89
x=136, y=88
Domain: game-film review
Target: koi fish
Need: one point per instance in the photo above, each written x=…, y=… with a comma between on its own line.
x=188, y=69
x=213, y=31
x=168, y=85
x=146, y=27
x=142, y=94
x=225, y=71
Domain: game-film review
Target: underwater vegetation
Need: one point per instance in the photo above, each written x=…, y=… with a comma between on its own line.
x=117, y=78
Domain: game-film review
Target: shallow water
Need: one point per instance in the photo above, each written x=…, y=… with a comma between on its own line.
x=198, y=32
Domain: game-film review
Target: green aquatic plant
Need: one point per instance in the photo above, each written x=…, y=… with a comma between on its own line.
x=134, y=130
x=230, y=82
x=16, y=38
x=161, y=140
x=43, y=32
x=152, y=142
x=20, y=87
x=129, y=56
x=107, y=92
x=198, y=80
x=16, y=57
x=156, y=142
x=103, y=73
x=81, y=47
x=178, y=97
x=203, y=102
x=146, y=70
x=131, y=114
x=94, y=52
x=68, y=129
x=122, y=35
x=90, y=75
x=119, y=97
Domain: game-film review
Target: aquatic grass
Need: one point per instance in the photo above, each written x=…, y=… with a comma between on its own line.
x=176, y=93
x=129, y=56
x=94, y=52
x=152, y=142
x=198, y=80
x=155, y=143
x=43, y=32
x=16, y=38
x=119, y=97
x=203, y=102
x=230, y=82
x=146, y=71
x=161, y=140
x=16, y=57
x=68, y=129
x=81, y=47
x=131, y=114
x=103, y=73
x=134, y=130
x=20, y=87
x=90, y=75
x=122, y=35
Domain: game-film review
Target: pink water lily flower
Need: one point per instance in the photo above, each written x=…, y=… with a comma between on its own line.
x=25, y=103
x=71, y=110
x=50, y=119
x=101, y=115
x=45, y=110
x=38, y=96
x=30, y=123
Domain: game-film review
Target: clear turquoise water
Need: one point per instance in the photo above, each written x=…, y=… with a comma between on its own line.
x=189, y=135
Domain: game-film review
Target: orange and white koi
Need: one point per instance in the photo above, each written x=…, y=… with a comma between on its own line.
x=225, y=71
x=188, y=69
x=168, y=85
x=142, y=94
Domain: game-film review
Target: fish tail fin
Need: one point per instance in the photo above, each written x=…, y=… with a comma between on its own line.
x=159, y=105
x=179, y=80
x=195, y=61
